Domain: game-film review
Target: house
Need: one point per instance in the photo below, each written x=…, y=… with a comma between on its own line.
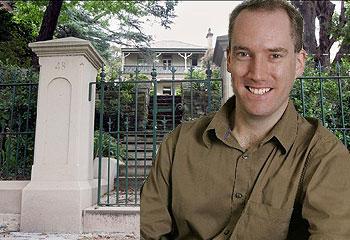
x=220, y=60
x=164, y=56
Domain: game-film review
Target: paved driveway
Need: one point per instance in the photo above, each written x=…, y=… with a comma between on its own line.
x=85, y=236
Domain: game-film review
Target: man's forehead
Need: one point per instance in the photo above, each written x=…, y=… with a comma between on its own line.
x=251, y=13
x=263, y=10
x=270, y=23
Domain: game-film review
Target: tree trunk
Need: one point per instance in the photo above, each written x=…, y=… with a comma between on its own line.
x=324, y=12
x=48, y=25
x=344, y=50
x=6, y=6
x=308, y=11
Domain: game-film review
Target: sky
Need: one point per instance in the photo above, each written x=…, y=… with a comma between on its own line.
x=193, y=20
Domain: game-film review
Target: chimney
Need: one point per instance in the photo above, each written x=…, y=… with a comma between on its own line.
x=5, y=5
x=210, y=39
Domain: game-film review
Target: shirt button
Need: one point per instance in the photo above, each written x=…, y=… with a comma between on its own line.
x=238, y=195
x=245, y=157
x=227, y=232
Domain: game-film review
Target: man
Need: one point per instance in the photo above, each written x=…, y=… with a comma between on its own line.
x=255, y=169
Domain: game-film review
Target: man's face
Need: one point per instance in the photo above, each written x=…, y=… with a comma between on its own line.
x=262, y=62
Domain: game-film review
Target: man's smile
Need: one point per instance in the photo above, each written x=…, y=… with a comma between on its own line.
x=258, y=91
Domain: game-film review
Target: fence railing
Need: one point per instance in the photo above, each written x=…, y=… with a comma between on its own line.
x=327, y=99
x=132, y=119
x=18, y=96
x=148, y=69
x=326, y=96
x=137, y=118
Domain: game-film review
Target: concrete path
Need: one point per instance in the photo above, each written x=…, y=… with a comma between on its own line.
x=85, y=236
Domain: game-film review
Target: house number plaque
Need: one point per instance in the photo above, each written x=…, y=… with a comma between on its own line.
x=60, y=66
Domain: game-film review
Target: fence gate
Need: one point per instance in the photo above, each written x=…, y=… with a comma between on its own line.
x=132, y=117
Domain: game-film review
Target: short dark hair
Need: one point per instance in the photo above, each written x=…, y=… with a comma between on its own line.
x=295, y=17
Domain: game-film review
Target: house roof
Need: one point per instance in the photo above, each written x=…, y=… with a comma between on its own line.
x=220, y=47
x=174, y=44
x=169, y=46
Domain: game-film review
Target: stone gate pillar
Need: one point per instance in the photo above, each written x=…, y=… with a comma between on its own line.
x=61, y=180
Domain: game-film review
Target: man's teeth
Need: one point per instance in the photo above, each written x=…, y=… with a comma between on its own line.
x=259, y=91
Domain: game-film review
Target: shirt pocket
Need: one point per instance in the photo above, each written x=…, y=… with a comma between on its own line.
x=263, y=222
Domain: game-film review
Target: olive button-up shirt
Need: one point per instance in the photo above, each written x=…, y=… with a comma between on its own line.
x=294, y=185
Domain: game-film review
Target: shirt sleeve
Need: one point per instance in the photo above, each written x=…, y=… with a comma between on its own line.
x=155, y=215
x=326, y=205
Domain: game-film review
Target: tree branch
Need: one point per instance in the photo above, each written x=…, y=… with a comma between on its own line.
x=343, y=51
x=342, y=17
x=50, y=19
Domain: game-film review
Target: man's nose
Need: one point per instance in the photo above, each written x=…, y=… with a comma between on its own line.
x=258, y=69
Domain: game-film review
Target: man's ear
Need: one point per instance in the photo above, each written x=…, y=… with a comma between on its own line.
x=229, y=60
x=300, y=63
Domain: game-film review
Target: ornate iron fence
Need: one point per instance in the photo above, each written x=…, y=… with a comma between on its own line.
x=132, y=119
x=18, y=94
x=325, y=97
x=148, y=69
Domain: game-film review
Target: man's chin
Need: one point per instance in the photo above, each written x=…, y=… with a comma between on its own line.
x=258, y=111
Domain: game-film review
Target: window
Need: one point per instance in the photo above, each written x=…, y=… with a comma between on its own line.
x=194, y=61
x=166, y=62
x=141, y=62
x=166, y=90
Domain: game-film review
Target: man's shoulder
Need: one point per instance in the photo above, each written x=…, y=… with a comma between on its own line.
x=193, y=128
x=321, y=133
x=317, y=137
x=200, y=123
x=326, y=156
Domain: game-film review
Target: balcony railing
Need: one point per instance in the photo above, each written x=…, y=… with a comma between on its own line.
x=148, y=69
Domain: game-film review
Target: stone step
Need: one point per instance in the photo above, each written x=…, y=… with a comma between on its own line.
x=140, y=155
x=9, y=222
x=165, y=100
x=134, y=182
x=139, y=162
x=142, y=140
x=140, y=171
x=141, y=132
x=112, y=220
x=141, y=146
x=149, y=135
x=131, y=180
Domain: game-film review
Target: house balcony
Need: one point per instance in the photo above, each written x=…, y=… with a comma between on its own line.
x=148, y=69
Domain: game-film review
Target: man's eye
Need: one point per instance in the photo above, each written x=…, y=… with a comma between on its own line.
x=276, y=56
x=242, y=54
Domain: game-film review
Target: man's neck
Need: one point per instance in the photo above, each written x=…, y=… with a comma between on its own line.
x=250, y=131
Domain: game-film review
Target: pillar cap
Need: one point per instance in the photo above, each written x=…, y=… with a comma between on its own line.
x=69, y=46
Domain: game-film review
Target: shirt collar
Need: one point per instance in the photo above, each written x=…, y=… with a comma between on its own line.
x=284, y=131
x=221, y=124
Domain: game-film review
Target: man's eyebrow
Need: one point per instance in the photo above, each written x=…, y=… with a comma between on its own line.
x=278, y=49
x=236, y=48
